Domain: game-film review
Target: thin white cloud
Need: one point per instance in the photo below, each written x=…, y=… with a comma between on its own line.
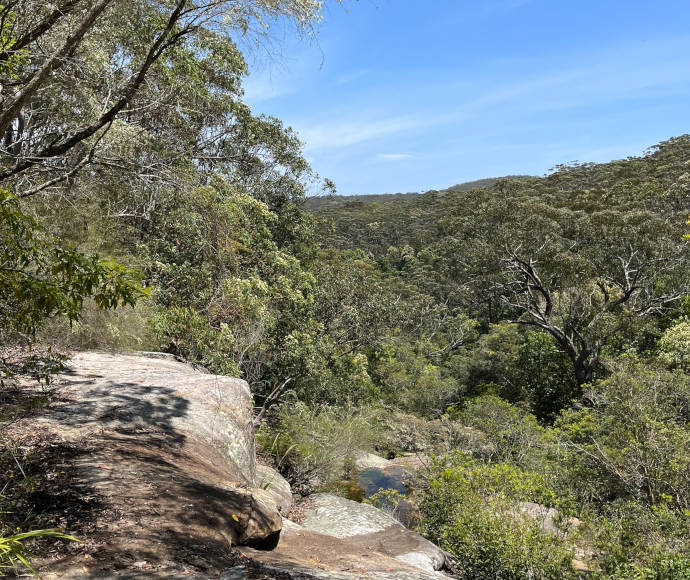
x=351, y=132
x=394, y=156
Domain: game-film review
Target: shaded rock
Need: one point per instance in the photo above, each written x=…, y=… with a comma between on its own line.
x=211, y=413
x=341, y=518
x=548, y=518
x=235, y=573
x=273, y=487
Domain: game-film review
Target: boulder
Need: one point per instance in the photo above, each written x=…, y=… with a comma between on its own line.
x=549, y=519
x=274, y=488
x=368, y=460
x=340, y=539
x=412, y=461
x=342, y=518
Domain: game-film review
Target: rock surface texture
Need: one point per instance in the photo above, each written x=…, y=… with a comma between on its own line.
x=155, y=471
x=166, y=452
x=343, y=539
x=273, y=488
x=342, y=518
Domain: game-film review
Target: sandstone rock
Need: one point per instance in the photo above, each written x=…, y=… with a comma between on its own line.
x=273, y=487
x=368, y=460
x=168, y=452
x=235, y=573
x=290, y=527
x=208, y=412
x=412, y=461
x=303, y=554
x=547, y=518
x=342, y=518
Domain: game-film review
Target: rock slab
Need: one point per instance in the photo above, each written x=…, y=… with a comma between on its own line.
x=342, y=518
x=166, y=452
x=211, y=413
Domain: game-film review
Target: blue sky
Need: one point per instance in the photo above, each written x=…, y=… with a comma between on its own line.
x=411, y=95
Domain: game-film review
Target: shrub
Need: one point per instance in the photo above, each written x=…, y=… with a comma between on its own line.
x=510, y=433
x=313, y=445
x=405, y=433
x=13, y=550
x=668, y=568
x=633, y=441
x=632, y=540
x=471, y=510
x=116, y=330
x=674, y=345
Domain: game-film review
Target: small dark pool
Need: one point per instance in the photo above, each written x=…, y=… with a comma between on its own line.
x=374, y=479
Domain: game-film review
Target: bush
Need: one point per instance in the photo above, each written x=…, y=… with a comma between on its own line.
x=632, y=540
x=471, y=510
x=674, y=345
x=633, y=443
x=123, y=329
x=510, y=433
x=405, y=433
x=668, y=568
x=410, y=382
x=314, y=447
x=13, y=550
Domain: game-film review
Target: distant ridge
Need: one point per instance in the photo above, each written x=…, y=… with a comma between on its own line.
x=329, y=201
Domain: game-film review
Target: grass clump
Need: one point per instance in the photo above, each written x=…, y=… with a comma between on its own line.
x=315, y=446
x=14, y=552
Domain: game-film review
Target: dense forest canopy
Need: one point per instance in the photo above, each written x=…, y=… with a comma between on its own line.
x=531, y=331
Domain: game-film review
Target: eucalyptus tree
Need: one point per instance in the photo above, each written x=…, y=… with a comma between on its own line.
x=125, y=107
x=80, y=72
x=593, y=278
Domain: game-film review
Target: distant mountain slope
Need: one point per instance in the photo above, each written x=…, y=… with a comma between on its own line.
x=331, y=201
x=655, y=182
x=484, y=183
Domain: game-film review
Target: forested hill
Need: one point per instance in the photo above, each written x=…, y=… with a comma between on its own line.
x=317, y=203
x=531, y=334
x=656, y=182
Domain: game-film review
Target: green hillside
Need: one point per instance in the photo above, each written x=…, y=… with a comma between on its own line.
x=318, y=203
x=527, y=339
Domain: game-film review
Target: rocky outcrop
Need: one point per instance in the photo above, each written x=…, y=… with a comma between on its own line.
x=211, y=414
x=161, y=458
x=166, y=451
